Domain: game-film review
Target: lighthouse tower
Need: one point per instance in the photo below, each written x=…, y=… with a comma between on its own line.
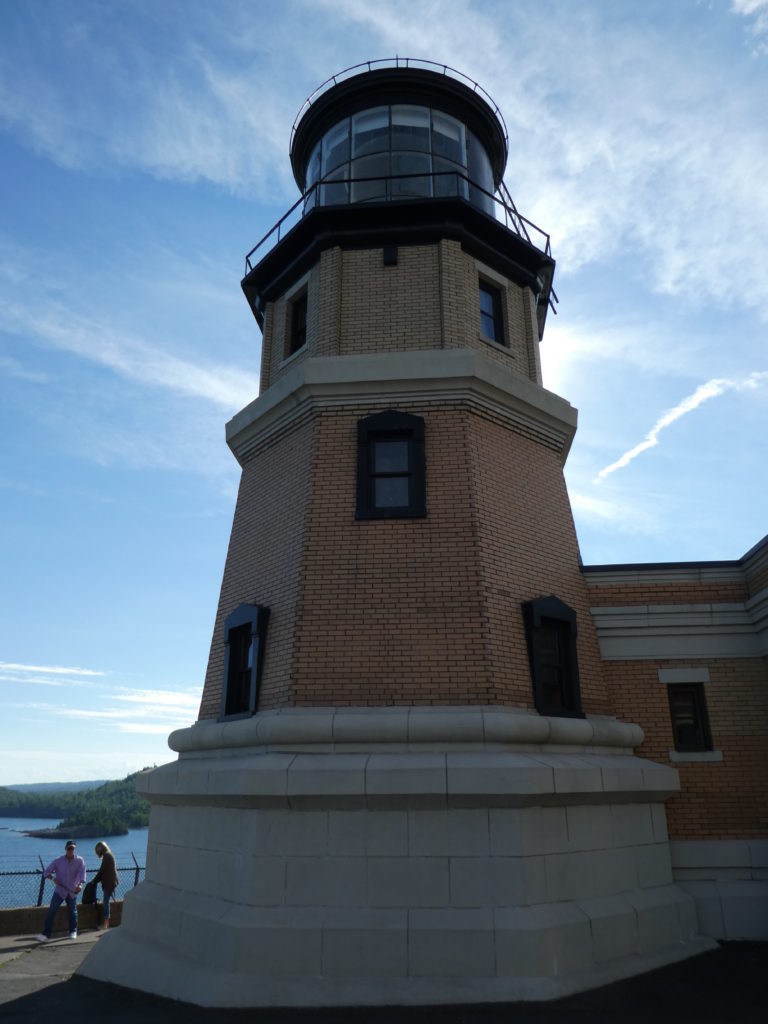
x=406, y=784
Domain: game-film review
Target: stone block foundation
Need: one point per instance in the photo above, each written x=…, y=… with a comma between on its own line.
x=304, y=871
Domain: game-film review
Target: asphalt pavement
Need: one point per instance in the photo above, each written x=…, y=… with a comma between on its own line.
x=728, y=985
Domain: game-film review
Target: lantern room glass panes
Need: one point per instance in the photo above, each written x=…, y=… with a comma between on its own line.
x=336, y=146
x=365, y=185
x=410, y=128
x=448, y=138
x=404, y=152
x=416, y=164
x=370, y=131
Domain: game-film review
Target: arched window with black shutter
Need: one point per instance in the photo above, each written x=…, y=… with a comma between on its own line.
x=391, y=467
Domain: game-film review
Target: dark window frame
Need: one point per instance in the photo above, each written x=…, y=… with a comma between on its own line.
x=701, y=742
x=297, y=322
x=545, y=618
x=386, y=427
x=494, y=318
x=246, y=620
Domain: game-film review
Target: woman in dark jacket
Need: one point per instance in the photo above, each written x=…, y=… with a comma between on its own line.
x=107, y=875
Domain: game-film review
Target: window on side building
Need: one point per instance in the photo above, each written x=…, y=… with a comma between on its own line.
x=690, y=721
x=491, y=319
x=245, y=635
x=391, y=467
x=550, y=630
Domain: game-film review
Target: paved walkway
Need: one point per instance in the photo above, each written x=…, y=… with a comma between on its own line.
x=726, y=986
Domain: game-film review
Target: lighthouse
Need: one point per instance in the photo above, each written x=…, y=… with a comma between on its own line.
x=406, y=784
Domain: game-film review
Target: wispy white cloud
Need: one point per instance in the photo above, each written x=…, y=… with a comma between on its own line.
x=171, y=700
x=757, y=10
x=15, y=369
x=131, y=357
x=18, y=667
x=703, y=393
x=147, y=728
x=129, y=710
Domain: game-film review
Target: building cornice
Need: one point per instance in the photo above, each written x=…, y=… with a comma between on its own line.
x=622, y=573
x=403, y=729
x=651, y=632
x=423, y=378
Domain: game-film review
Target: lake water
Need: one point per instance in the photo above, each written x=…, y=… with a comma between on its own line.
x=23, y=853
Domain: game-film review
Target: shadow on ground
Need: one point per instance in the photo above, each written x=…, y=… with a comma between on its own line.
x=727, y=985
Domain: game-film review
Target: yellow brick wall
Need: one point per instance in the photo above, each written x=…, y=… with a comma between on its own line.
x=528, y=548
x=428, y=299
x=264, y=560
x=718, y=799
x=414, y=611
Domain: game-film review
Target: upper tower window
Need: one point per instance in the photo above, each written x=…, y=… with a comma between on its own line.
x=491, y=319
x=297, y=335
x=390, y=467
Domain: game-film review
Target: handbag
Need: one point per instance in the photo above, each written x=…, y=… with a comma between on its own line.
x=89, y=893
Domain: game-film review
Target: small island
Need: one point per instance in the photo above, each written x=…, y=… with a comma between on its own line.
x=75, y=832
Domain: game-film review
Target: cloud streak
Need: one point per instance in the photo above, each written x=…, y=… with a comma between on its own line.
x=757, y=10
x=18, y=668
x=703, y=393
x=132, y=358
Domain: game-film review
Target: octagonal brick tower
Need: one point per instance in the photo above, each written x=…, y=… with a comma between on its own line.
x=405, y=784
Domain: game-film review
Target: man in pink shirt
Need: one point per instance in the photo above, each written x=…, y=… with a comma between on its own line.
x=69, y=874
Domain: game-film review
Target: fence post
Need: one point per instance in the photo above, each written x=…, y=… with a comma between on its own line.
x=136, y=876
x=42, y=881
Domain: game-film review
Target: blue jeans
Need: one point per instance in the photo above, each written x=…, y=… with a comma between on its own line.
x=105, y=903
x=56, y=902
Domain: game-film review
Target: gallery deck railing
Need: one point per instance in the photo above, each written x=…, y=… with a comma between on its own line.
x=427, y=185
x=31, y=888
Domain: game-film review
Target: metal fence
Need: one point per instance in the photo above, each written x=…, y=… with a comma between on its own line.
x=33, y=889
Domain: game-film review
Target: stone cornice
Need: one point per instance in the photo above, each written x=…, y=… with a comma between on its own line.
x=645, y=632
x=621, y=574
x=663, y=573
x=407, y=729
x=461, y=376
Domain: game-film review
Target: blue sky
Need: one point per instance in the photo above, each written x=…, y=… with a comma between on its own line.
x=143, y=151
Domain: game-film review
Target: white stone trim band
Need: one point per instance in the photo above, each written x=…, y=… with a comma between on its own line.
x=432, y=375
x=646, y=632
x=406, y=728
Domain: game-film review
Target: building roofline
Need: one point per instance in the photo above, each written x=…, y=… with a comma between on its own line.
x=399, y=80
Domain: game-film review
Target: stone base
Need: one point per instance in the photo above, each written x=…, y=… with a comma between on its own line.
x=456, y=869
x=728, y=879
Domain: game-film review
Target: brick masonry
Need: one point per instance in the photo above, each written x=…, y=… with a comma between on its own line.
x=399, y=612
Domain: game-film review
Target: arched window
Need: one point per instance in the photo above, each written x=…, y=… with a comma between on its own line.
x=391, y=467
x=245, y=632
x=550, y=630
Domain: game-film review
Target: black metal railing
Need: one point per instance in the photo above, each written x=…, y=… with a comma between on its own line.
x=29, y=888
x=436, y=185
x=400, y=62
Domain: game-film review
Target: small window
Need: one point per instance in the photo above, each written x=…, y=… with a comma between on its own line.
x=491, y=322
x=245, y=634
x=690, y=722
x=550, y=629
x=390, y=467
x=297, y=332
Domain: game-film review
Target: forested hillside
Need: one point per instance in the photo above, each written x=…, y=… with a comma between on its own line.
x=110, y=809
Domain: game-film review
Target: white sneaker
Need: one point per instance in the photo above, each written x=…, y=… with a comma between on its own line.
x=41, y=938
x=73, y=935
